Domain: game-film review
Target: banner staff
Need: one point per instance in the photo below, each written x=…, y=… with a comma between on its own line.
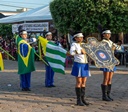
x=7, y=53
x=41, y=59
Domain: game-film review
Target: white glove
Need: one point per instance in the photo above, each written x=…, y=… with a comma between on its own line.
x=32, y=40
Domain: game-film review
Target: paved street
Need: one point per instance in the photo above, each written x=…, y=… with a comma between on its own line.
x=61, y=98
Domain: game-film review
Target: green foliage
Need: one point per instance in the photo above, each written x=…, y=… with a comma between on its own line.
x=85, y=15
x=6, y=30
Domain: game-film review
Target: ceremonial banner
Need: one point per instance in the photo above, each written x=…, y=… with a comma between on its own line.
x=55, y=55
x=25, y=57
x=100, y=53
x=1, y=62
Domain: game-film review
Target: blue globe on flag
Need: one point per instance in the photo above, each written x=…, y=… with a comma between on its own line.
x=102, y=56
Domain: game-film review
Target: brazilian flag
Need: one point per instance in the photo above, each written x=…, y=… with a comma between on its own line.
x=25, y=56
x=1, y=62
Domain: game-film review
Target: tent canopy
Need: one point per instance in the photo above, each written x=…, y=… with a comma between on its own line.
x=37, y=14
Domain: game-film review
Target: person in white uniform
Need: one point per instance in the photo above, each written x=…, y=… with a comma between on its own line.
x=107, y=73
x=80, y=68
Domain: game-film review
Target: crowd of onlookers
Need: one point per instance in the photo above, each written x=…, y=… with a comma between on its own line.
x=9, y=46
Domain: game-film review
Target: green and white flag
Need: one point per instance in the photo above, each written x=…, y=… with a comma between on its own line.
x=55, y=55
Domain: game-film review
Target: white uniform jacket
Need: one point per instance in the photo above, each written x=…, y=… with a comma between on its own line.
x=110, y=43
x=75, y=51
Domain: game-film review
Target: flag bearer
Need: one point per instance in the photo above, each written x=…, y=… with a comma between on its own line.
x=54, y=55
x=49, y=74
x=25, y=60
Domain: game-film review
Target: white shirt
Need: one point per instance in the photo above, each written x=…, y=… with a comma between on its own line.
x=110, y=43
x=78, y=57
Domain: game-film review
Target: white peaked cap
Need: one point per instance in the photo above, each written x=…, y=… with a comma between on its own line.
x=24, y=32
x=49, y=33
x=78, y=35
x=106, y=31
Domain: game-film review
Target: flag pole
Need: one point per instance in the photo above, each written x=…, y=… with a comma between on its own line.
x=41, y=59
x=7, y=53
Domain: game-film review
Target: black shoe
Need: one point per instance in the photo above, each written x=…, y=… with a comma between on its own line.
x=27, y=89
x=110, y=98
x=80, y=104
x=85, y=103
x=106, y=99
x=48, y=86
x=23, y=89
x=53, y=86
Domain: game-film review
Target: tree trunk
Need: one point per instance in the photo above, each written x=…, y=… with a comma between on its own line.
x=121, y=37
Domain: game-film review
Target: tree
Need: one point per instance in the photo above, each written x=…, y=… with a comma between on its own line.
x=86, y=15
x=6, y=30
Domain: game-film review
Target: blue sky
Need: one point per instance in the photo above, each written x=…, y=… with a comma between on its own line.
x=12, y=5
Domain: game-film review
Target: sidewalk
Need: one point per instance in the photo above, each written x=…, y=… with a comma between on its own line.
x=61, y=98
